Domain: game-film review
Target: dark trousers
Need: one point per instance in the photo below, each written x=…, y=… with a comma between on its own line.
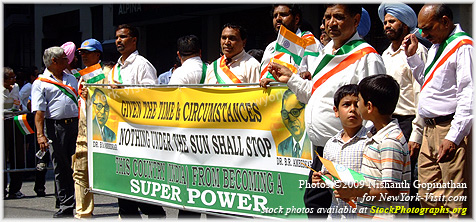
x=40, y=174
x=129, y=209
x=405, y=124
x=316, y=198
x=15, y=154
x=63, y=134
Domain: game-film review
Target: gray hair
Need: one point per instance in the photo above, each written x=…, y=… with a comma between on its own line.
x=7, y=70
x=50, y=53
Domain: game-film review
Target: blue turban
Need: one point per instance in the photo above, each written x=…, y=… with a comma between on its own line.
x=400, y=11
x=364, y=25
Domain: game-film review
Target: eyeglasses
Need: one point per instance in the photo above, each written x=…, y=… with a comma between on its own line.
x=294, y=112
x=100, y=106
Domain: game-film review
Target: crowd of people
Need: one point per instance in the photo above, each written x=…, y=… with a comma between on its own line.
x=417, y=101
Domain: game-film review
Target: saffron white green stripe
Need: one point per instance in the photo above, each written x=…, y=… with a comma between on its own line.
x=23, y=125
x=92, y=74
x=291, y=44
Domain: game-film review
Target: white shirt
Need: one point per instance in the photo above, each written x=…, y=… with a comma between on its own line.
x=25, y=92
x=397, y=67
x=54, y=102
x=270, y=52
x=189, y=73
x=450, y=90
x=301, y=144
x=321, y=123
x=9, y=97
x=135, y=70
x=242, y=65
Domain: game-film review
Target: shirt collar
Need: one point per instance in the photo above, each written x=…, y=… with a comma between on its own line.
x=130, y=59
x=382, y=133
x=236, y=57
x=328, y=48
x=301, y=142
x=361, y=134
x=392, y=53
x=193, y=59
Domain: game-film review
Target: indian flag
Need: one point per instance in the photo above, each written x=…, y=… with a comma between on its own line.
x=341, y=172
x=310, y=45
x=75, y=73
x=291, y=44
x=287, y=65
x=23, y=125
x=92, y=74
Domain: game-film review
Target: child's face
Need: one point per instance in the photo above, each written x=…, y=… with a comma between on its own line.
x=362, y=108
x=348, y=112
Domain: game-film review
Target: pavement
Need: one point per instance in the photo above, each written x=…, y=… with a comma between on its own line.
x=42, y=208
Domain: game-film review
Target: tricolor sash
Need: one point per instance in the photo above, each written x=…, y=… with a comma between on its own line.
x=113, y=74
x=67, y=90
x=265, y=70
x=22, y=123
x=224, y=74
x=204, y=73
x=445, y=50
x=92, y=74
x=347, y=55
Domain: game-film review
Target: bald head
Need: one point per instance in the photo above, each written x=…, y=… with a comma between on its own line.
x=435, y=22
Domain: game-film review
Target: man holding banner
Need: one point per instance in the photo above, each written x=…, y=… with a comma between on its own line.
x=446, y=102
x=54, y=98
x=95, y=72
x=345, y=60
x=132, y=68
x=193, y=70
x=235, y=66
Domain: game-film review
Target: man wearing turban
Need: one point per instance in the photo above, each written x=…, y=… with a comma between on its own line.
x=398, y=21
x=70, y=49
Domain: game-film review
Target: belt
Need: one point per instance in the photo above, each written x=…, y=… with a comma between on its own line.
x=402, y=117
x=63, y=121
x=437, y=120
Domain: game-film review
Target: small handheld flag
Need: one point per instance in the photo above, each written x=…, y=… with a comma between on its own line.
x=330, y=184
x=341, y=172
x=291, y=44
x=92, y=74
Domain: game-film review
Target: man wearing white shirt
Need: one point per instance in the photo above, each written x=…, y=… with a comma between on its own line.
x=398, y=21
x=289, y=16
x=340, y=22
x=235, y=66
x=193, y=70
x=54, y=98
x=131, y=68
x=445, y=103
